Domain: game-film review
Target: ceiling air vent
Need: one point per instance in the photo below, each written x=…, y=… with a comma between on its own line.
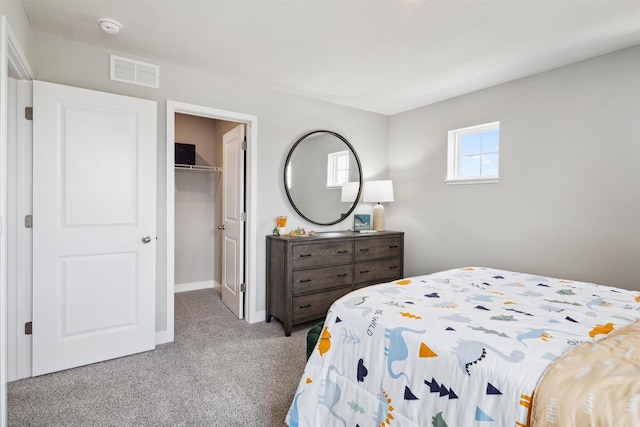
x=136, y=72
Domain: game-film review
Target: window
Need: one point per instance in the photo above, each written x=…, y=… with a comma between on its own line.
x=337, y=169
x=473, y=155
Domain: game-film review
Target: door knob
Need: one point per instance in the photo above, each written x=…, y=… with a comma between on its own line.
x=221, y=227
x=146, y=239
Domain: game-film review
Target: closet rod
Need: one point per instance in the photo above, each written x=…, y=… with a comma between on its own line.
x=199, y=168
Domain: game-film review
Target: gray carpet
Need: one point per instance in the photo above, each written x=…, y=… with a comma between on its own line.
x=220, y=371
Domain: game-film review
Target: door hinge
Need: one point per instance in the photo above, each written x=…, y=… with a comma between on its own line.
x=28, y=328
x=28, y=113
x=243, y=217
x=28, y=221
x=243, y=287
x=244, y=144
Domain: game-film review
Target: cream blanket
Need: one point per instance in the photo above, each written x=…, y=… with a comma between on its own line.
x=595, y=384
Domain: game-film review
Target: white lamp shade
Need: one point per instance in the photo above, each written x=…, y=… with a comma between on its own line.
x=378, y=191
x=349, y=191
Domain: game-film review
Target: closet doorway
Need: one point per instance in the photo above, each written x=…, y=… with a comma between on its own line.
x=209, y=204
x=198, y=201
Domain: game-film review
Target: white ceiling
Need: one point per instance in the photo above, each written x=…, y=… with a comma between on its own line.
x=381, y=56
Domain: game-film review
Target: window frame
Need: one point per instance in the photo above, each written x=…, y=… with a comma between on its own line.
x=332, y=169
x=454, y=155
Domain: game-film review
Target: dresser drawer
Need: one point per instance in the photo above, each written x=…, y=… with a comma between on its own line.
x=378, y=248
x=315, y=306
x=318, y=254
x=384, y=270
x=319, y=279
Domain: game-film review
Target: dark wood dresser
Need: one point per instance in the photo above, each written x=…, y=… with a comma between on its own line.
x=305, y=275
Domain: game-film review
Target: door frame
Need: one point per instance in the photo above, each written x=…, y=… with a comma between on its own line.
x=20, y=285
x=173, y=107
x=14, y=62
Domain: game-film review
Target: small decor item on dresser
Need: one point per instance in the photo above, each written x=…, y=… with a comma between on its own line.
x=298, y=232
x=361, y=222
x=281, y=226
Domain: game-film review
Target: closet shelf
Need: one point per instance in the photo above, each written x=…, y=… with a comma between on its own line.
x=199, y=168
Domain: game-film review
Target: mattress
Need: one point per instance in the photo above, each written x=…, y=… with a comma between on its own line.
x=463, y=347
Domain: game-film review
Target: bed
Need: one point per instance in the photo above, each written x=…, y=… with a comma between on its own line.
x=467, y=347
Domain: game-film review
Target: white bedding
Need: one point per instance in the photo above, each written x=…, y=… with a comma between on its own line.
x=463, y=347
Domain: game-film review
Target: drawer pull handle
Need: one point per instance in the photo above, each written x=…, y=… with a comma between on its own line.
x=305, y=306
x=364, y=271
x=393, y=266
x=343, y=252
x=305, y=280
x=342, y=275
x=364, y=249
x=304, y=255
x=393, y=246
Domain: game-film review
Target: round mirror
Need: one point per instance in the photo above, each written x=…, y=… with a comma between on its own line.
x=323, y=177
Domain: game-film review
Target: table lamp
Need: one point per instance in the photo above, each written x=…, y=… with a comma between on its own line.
x=378, y=192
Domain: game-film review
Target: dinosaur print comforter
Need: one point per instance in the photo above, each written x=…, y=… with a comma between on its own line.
x=463, y=347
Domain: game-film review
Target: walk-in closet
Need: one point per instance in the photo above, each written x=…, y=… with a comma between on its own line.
x=198, y=201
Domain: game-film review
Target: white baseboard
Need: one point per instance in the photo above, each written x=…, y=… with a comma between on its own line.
x=259, y=316
x=194, y=286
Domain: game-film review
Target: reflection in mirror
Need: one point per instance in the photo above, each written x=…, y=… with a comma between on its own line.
x=316, y=168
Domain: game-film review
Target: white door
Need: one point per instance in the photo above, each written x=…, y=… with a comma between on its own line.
x=232, y=208
x=94, y=226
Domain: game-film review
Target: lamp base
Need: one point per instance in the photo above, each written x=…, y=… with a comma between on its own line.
x=378, y=218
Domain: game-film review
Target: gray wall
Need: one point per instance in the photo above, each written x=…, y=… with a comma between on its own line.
x=282, y=119
x=568, y=204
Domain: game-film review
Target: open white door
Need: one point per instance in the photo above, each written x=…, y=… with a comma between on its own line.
x=232, y=208
x=94, y=226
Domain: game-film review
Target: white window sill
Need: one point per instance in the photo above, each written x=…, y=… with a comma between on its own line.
x=492, y=180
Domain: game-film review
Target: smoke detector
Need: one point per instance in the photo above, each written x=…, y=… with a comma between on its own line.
x=109, y=26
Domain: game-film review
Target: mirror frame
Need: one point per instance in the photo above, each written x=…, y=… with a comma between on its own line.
x=355, y=155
